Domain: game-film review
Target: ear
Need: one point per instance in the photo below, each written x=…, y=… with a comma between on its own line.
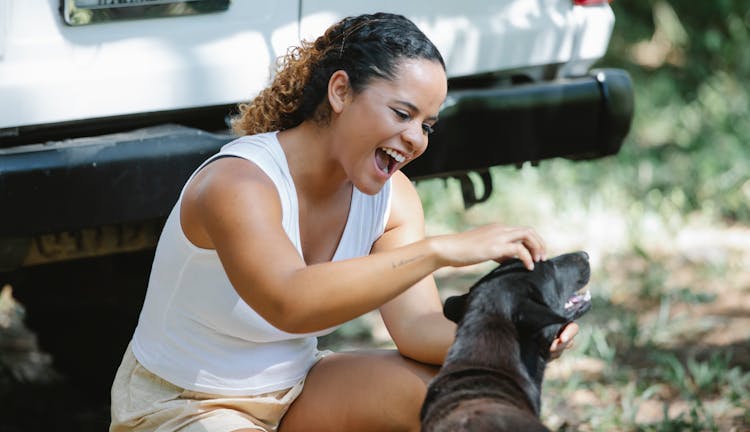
x=532, y=317
x=455, y=307
x=338, y=90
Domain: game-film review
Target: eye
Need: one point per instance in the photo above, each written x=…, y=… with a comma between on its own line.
x=400, y=114
x=404, y=116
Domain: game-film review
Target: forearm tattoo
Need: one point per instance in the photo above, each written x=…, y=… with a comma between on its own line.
x=405, y=261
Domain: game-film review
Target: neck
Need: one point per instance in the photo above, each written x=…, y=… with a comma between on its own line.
x=535, y=362
x=316, y=172
x=493, y=344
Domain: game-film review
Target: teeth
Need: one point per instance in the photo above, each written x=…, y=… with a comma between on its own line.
x=394, y=154
x=577, y=299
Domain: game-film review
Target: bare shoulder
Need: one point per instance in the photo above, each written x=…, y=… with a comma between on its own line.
x=228, y=175
x=226, y=192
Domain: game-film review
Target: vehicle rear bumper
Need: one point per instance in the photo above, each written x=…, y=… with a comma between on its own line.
x=579, y=118
x=95, y=181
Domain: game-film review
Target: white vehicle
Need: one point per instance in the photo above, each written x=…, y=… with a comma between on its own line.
x=106, y=106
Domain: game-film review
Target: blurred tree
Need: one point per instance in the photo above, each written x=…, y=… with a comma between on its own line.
x=691, y=65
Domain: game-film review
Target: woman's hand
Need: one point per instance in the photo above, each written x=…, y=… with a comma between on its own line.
x=491, y=242
x=563, y=341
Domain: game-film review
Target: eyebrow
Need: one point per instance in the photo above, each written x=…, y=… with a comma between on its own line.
x=414, y=108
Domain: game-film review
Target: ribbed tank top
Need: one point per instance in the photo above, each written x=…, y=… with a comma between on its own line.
x=197, y=333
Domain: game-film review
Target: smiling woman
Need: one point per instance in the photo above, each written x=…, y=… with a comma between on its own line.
x=301, y=224
x=386, y=122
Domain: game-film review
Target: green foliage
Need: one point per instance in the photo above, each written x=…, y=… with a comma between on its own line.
x=690, y=133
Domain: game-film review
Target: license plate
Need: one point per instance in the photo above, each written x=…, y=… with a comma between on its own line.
x=83, y=12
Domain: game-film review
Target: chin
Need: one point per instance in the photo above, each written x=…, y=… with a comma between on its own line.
x=369, y=180
x=370, y=189
x=370, y=186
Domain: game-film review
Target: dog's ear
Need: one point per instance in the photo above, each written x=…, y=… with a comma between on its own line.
x=531, y=316
x=455, y=307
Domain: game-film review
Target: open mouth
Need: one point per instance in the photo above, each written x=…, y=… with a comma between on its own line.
x=579, y=302
x=388, y=159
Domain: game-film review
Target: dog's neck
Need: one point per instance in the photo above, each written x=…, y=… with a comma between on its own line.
x=534, y=352
x=496, y=338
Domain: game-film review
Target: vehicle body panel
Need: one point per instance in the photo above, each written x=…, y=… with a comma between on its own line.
x=52, y=72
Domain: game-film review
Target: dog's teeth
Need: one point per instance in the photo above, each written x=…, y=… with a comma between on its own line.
x=577, y=298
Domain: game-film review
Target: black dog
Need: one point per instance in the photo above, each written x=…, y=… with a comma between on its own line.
x=491, y=379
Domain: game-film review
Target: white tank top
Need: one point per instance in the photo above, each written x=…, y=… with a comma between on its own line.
x=197, y=333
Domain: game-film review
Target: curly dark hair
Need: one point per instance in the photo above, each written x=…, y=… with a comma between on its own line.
x=365, y=47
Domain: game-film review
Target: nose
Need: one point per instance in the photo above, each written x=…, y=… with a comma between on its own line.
x=415, y=138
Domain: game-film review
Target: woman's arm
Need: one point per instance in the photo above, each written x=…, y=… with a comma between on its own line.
x=232, y=207
x=415, y=318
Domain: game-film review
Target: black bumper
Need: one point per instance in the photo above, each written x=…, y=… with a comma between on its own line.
x=580, y=118
x=135, y=176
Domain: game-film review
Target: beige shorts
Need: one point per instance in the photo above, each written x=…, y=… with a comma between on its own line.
x=141, y=401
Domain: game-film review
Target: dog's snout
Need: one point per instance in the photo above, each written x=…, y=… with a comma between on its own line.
x=572, y=256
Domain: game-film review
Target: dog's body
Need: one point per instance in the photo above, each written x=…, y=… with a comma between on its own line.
x=491, y=379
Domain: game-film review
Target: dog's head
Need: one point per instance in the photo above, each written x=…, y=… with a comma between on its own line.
x=538, y=302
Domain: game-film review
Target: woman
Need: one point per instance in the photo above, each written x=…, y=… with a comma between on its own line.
x=300, y=225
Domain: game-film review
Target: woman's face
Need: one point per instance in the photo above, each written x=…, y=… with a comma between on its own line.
x=386, y=125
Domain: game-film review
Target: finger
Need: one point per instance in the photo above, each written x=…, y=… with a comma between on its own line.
x=565, y=337
x=537, y=246
x=533, y=242
x=568, y=332
x=557, y=348
x=524, y=255
x=555, y=351
x=514, y=250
